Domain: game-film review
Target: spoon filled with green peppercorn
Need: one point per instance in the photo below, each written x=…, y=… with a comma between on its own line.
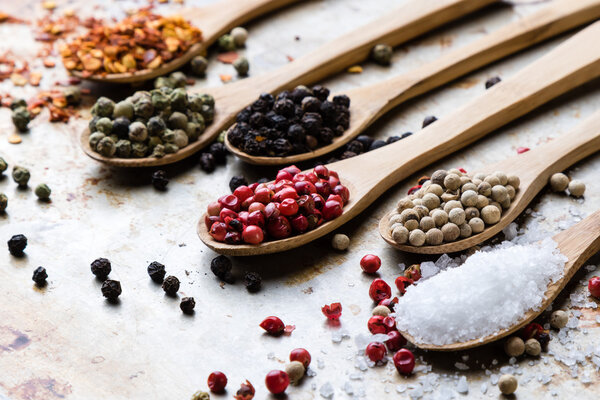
x=396, y=27
x=574, y=62
x=482, y=207
x=343, y=118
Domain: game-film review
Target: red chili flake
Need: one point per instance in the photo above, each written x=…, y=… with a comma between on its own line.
x=414, y=189
x=531, y=330
x=464, y=171
x=48, y=63
x=289, y=58
x=245, y=392
x=332, y=311
x=228, y=58
x=522, y=150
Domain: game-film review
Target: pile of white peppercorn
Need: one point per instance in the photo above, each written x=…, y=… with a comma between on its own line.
x=451, y=205
x=559, y=182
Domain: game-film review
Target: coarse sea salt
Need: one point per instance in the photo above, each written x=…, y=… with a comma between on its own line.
x=491, y=291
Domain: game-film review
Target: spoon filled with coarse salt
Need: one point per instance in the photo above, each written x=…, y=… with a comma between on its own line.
x=495, y=292
x=572, y=63
x=530, y=172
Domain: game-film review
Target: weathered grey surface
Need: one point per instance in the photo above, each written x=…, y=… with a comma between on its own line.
x=65, y=341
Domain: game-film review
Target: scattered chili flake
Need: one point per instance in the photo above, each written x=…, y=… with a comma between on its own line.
x=414, y=189
x=14, y=139
x=48, y=63
x=225, y=77
x=332, y=311
x=289, y=329
x=423, y=179
x=464, y=171
x=245, y=392
x=289, y=58
x=522, y=150
x=228, y=58
x=355, y=69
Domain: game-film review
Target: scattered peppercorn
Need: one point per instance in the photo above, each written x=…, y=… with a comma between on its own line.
x=533, y=347
x=160, y=180
x=514, y=346
x=200, y=395
x=559, y=319
x=277, y=381
x=20, y=175
x=363, y=144
x=492, y=81
x=207, y=162
x=239, y=36
x=101, y=267
x=219, y=152
x=576, y=188
x=295, y=371
x=187, y=305
x=253, y=281
x=21, y=118
x=39, y=276
x=370, y=263
x=221, y=267
x=404, y=361
x=236, y=182
x=332, y=311
x=340, y=241
x=241, y=66
x=156, y=271
x=42, y=191
x=3, y=202
x=594, y=286
x=245, y=392
x=273, y=325
x=507, y=384
x=430, y=119
x=171, y=285
x=226, y=43
x=111, y=289
x=559, y=182
x=3, y=165
x=199, y=65
x=17, y=244
x=382, y=54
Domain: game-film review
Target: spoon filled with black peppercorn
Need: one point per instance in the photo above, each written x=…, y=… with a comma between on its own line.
x=303, y=124
x=574, y=62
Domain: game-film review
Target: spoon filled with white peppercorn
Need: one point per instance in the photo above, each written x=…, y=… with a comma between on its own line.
x=572, y=63
x=453, y=212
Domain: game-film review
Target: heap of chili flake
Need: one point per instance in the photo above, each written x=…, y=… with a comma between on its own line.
x=141, y=41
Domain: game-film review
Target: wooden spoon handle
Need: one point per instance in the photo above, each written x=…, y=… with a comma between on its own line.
x=569, y=65
x=578, y=244
x=409, y=21
x=559, y=16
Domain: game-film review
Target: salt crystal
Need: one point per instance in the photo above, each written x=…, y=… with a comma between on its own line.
x=598, y=319
x=336, y=336
x=462, y=386
x=326, y=391
x=494, y=362
x=356, y=377
x=348, y=388
x=512, y=360
x=483, y=388
x=590, y=268
x=465, y=357
x=310, y=372
x=428, y=269
x=401, y=267
x=586, y=378
x=510, y=232
x=320, y=363
x=461, y=366
x=494, y=379
x=400, y=388
x=470, y=302
x=416, y=392
x=361, y=363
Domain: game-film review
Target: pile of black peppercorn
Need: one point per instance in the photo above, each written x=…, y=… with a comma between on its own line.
x=295, y=122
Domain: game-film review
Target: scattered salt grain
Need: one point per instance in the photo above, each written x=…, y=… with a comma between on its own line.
x=483, y=388
x=428, y=269
x=462, y=386
x=348, y=388
x=310, y=372
x=510, y=232
x=326, y=391
x=400, y=388
x=461, y=366
x=475, y=300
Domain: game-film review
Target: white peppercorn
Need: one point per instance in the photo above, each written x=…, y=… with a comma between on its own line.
x=417, y=238
x=434, y=237
x=411, y=224
x=514, y=346
x=421, y=210
x=395, y=218
x=295, y=371
x=471, y=212
x=480, y=176
x=469, y=198
x=440, y=217
x=450, y=195
x=559, y=319
x=465, y=230
x=438, y=177
x=505, y=203
x=382, y=311
x=559, y=182
x=492, y=180
x=514, y=181
x=482, y=201
x=576, y=188
x=455, y=171
x=490, y=214
x=426, y=224
x=477, y=225
x=452, y=204
x=394, y=226
x=404, y=204
x=502, y=177
x=499, y=193
x=431, y=201
x=457, y=216
x=511, y=192
x=452, y=181
x=408, y=215
x=533, y=347
x=239, y=36
x=400, y=235
x=485, y=189
x=417, y=202
x=497, y=205
x=507, y=384
x=435, y=189
x=451, y=232
x=476, y=182
x=340, y=241
x=469, y=186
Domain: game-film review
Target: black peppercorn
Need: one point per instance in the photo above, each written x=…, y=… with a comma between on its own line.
x=244, y=115
x=260, y=106
x=17, y=244
x=160, y=180
x=406, y=134
x=221, y=267
x=156, y=271
x=236, y=182
x=207, y=162
x=366, y=141
x=296, y=134
x=377, y=144
x=342, y=100
x=268, y=98
x=347, y=154
x=39, y=276
x=257, y=120
x=171, y=285
x=392, y=139
x=311, y=142
x=219, y=152
x=187, y=305
x=311, y=104
x=299, y=93
x=544, y=339
x=326, y=136
x=284, y=107
x=282, y=147
x=492, y=81
x=355, y=146
x=253, y=281
x=430, y=119
x=111, y=289
x=101, y=268
x=320, y=92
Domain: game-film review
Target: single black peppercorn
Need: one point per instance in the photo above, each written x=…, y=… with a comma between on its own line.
x=355, y=146
x=171, y=285
x=544, y=339
x=406, y=134
x=101, y=268
x=39, y=276
x=219, y=152
x=111, y=289
x=160, y=180
x=253, y=281
x=366, y=141
x=221, y=267
x=187, y=305
x=237, y=181
x=392, y=139
x=207, y=162
x=347, y=154
x=156, y=271
x=377, y=144
x=492, y=81
x=430, y=119
x=17, y=244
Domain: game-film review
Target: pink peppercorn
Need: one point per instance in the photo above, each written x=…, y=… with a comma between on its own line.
x=217, y=382
x=370, y=263
x=375, y=351
x=594, y=286
x=273, y=325
x=404, y=361
x=277, y=381
x=332, y=311
x=379, y=290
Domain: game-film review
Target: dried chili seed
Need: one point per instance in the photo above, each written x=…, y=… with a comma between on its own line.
x=160, y=180
x=332, y=311
x=156, y=271
x=39, y=276
x=253, y=281
x=17, y=244
x=101, y=267
x=111, y=289
x=187, y=305
x=171, y=285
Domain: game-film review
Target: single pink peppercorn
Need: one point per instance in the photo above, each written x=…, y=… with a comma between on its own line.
x=332, y=311
x=277, y=381
x=217, y=382
x=370, y=263
x=379, y=290
x=375, y=351
x=594, y=286
x=273, y=325
x=301, y=355
x=404, y=361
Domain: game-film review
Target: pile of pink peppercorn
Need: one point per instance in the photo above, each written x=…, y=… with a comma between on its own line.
x=295, y=203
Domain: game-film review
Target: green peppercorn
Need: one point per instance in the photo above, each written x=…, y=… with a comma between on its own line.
x=179, y=79
x=163, y=81
x=195, y=102
x=3, y=165
x=143, y=108
x=226, y=43
x=21, y=118
x=168, y=136
x=104, y=125
x=18, y=103
x=200, y=395
x=156, y=126
x=42, y=191
x=95, y=138
x=139, y=95
x=199, y=65
x=154, y=141
x=123, y=148
x=124, y=109
x=21, y=175
x=239, y=35
x=139, y=150
x=158, y=151
x=208, y=113
x=193, y=131
x=104, y=107
x=382, y=54
x=72, y=95
x=107, y=147
x=221, y=137
x=138, y=132
x=171, y=148
x=160, y=100
x=92, y=123
x=207, y=99
x=242, y=66
x=179, y=99
x=178, y=120
x=3, y=202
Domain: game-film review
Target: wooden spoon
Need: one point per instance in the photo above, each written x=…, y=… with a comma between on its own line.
x=578, y=244
x=213, y=20
x=367, y=176
x=371, y=102
x=398, y=26
x=534, y=168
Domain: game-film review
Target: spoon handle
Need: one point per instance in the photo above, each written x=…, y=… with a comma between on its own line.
x=559, y=16
x=572, y=63
x=578, y=244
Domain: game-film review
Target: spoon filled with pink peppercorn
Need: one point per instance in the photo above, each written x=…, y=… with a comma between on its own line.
x=574, y=62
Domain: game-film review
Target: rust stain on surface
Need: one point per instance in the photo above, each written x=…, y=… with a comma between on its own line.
x=12, y=339
x=306, y=275
x=40, y=389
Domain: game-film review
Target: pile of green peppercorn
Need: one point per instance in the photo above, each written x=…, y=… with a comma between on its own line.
x=153, y=123
x=295, y=122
